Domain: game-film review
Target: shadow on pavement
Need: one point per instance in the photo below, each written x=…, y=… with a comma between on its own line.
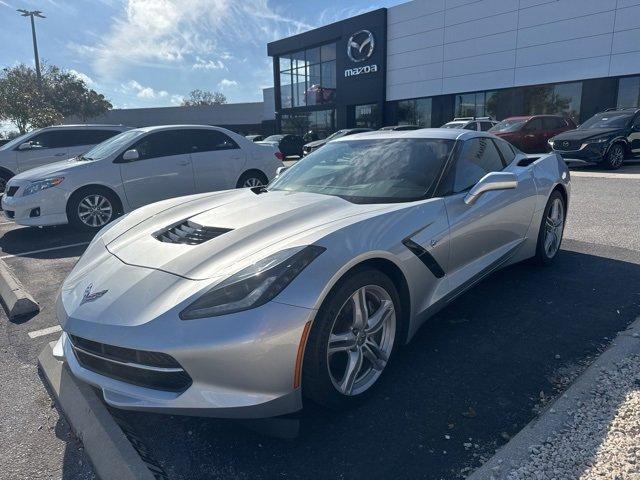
x=26, y=239
x=470, y=379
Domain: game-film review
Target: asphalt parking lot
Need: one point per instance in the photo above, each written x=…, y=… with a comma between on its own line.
x=471, y=379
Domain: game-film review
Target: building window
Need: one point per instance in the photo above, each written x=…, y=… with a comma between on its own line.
x=629, y=92
x=564, y=98
x=415, y=112
x=308, y=77
x=367, y=116
x=320, y=122
x=477, y=104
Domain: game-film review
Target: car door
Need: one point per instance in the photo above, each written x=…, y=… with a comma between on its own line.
x=634, y=136
x=217, y=160
x=486, y=232
x=162, y=170
x=46, y=147
x=532, y=136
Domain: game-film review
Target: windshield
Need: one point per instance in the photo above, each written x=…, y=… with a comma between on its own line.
x=370, y=171
x=111, y=146
x=339, y=133
x=508, y=126
x=16, y=141
x=274, y=138
x=607, y=120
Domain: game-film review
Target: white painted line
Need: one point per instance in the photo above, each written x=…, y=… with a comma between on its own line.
x=43, y=250
x=622, y=176
x=45, y=331
x=6, y=223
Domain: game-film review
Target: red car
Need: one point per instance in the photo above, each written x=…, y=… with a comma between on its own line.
x=532, y=133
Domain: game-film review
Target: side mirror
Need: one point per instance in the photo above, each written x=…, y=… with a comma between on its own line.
x=280, y=171
x=25, y=146
x=131, y=155
x=491, y=181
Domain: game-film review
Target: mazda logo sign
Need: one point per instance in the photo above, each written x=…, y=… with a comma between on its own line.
x=565, y=144
x=360, y=46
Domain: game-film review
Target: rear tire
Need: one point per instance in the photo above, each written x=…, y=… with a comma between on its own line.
x=614, y=157
x=4, y=178
x=92, y=208
x=367, y=346
x=252, y=178
x=551, y=229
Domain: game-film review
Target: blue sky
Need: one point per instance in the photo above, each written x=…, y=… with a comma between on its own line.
x=144, y=53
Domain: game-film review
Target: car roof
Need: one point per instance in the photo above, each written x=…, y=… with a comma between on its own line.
x=87, y=126
x=436, y=133
x=156, y=128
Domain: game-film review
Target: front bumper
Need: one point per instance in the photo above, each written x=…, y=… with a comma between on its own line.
x=47, y=207
x=588, y=152
x=240, y=365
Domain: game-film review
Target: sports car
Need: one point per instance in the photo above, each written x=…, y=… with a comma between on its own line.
x=241, y=303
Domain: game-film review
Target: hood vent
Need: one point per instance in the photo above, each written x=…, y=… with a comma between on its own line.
x=189, y=233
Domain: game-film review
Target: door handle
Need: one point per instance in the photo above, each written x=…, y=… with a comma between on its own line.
x=183, y=164
x=59, y=154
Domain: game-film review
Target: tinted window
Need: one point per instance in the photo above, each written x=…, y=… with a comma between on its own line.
x=163, y=144
x=552, y=123
x=478, y=157
x=370, y=171
x=52, y=139
x=471, y=126
x=91, y=137
x=210, y=140
x=607, y=120
x=485, y=126
x=535, y=124
x=506, y=150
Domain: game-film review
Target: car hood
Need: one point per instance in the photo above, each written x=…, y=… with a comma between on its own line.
x=587, y=133
x=52, y=169
x=317, y=143
x=250, y=225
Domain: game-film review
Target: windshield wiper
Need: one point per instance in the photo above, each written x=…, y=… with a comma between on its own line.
x=82, y=158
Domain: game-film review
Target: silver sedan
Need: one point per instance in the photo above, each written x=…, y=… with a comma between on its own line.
x=241, y=303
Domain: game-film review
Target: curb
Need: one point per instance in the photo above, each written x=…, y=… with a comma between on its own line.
x=516, y=451
x=110, y=452
x=16, y=299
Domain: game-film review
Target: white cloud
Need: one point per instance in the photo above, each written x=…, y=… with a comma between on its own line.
x=202, y=64
x=5, y=4
x=170, y=32
x=226, y=83
x=141, y=91
x=83, y=76
x=176, y=99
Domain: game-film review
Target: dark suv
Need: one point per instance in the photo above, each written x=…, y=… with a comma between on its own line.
x=531, y=133
x=607, y=138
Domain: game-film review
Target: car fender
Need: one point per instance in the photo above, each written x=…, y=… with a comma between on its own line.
x=9, y=162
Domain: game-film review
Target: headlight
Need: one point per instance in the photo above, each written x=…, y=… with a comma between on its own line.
x=254, y=285
x=35, y=187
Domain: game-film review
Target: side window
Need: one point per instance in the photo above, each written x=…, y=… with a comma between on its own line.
x=50, y=139
x=508, y=154
x=471, y=126
x=163, y=144
x=534, y=125
x=210, y=140
x=551, y=123
x=478, y=157
x=484, y=126
x=92, y=137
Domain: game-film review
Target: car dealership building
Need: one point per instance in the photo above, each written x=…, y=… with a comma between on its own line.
x=427, y=61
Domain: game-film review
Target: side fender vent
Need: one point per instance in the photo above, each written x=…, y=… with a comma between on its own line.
x=425, y=257
x=189, y=233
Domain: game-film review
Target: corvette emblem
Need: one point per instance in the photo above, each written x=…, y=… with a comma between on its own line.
x=360, y=46
x=91, y=297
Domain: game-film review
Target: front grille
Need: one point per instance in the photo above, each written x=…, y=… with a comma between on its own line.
x=9, y=213
x=11, y=191
x=567, y=144
x=155, y=370
x=189, y=233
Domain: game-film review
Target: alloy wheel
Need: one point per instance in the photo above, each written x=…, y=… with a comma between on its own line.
x=554, y=227
x=361, y=340
x=95, y=210
x=252, y=182
x=616, y=156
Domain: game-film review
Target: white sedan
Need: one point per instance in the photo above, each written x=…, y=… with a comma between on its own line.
x=136, y=168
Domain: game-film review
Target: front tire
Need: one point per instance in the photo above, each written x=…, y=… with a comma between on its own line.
x=352, y=340
x=551, y=229
x=92, y=208
x=4, y=179
x=614, y=157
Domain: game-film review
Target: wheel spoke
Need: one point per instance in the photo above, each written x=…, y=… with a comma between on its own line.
x=354, y=364
x=341, y=342
x=360, y=311
x=379, y=318
x=375, y=355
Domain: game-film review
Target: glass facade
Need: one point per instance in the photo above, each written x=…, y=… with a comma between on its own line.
x=321, y=122
x=629, y=92
x=308, y=77
x=562, y=98
x=367, y=116
x=476, y=104
x=415, y=112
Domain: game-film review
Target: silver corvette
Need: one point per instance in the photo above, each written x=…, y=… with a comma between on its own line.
x=240, y=303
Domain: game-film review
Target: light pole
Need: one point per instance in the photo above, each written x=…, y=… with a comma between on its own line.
x=31, y=14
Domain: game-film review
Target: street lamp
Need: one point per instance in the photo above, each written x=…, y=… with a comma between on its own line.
x=31, y=14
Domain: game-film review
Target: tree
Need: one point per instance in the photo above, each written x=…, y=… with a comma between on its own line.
x=199, y=98
x=27, y=103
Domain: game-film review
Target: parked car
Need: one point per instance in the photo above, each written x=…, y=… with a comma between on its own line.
x=4, y=141
x=254, y=138
x=312, y=146
x=400, y=128
x=238, y=304
x=50, y=144
x=289, y=145
x=607, y=139
x=136, y=168
x=479, y=124
x=531, y=133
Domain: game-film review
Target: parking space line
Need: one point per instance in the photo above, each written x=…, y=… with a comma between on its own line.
x=43, y=250
x=634, y=176
x=45, y=331
x=6, y=223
